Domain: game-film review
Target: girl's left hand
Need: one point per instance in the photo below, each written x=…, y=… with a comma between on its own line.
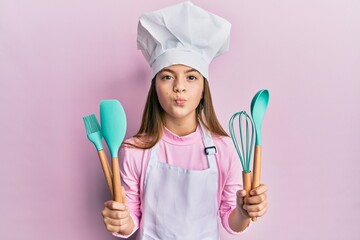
x=254, y=205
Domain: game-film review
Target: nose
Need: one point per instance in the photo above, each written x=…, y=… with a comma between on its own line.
x=179, y=85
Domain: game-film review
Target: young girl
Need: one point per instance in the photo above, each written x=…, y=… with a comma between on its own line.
x=180, y=172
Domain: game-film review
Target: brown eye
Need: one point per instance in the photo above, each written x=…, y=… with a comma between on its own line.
x=192, y=78
x=166, y=77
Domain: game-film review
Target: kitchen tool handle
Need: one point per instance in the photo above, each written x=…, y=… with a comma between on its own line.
x=106, y=169
x=117, y=197
x=256, y=169
x=246, y=176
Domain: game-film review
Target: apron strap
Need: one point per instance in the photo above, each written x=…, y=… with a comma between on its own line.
x=152, y=161
x=210, y=148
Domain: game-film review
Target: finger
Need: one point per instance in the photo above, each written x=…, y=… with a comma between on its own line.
x=257, y=213
x=255, y=199
x=112, y=228
x=116, y=226
x=255, y=207
x=262, y=188
x=116, y=222
x=240, y=194
x=262, y=212
x=116, y=229
x=115, y=205
x=240, y=202
x=115, y=214
x=243, y=193
x=240, y=198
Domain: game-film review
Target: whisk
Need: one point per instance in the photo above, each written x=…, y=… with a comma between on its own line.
x=243, y=150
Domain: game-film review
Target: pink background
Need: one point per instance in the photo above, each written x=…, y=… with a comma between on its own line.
x=59, y=58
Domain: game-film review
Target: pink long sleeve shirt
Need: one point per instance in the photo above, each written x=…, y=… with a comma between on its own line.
x=186, y=152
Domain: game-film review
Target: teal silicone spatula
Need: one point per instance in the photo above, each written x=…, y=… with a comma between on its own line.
x=258, y=108
x=113, y=124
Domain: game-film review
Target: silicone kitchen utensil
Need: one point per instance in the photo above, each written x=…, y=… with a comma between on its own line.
x=258, y=108
x=93, y=132
x=113, y=123
x=245, y=150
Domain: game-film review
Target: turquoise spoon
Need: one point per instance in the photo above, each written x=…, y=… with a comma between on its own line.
x=258, y=108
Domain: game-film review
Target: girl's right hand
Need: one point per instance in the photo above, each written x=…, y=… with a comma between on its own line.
x=117, y=217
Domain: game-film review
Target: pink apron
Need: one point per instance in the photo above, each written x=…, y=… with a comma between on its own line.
x=180, y=203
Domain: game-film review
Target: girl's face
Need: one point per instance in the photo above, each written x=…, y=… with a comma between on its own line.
x=179, y=89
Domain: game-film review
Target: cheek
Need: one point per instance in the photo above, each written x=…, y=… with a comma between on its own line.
x=198, y=95
x=162, y=94
x=199, y=92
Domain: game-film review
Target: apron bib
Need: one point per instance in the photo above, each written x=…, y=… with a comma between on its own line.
x=180, y=203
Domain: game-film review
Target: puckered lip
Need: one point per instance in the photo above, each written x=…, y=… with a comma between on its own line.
x=179, y=101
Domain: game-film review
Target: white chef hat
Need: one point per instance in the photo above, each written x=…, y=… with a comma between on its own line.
x=182, y=34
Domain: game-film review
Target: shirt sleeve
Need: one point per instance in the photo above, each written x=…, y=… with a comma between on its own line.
x=130, y=169
x=232, y=183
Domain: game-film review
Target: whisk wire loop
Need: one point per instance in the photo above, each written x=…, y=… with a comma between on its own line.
x=245, y=150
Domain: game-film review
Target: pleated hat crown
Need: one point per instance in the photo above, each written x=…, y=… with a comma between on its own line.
x=182, y=34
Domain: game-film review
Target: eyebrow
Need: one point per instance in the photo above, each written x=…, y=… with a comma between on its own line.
x=173, y=72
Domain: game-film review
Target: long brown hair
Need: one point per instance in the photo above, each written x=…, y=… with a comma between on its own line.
x=152, y=123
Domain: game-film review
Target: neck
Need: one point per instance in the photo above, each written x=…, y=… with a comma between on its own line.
x=181, y=127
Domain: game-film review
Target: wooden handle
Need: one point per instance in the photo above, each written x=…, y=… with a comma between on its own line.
x=106, y=169
x=256, y=169
x=117, y=197
x=246, y=182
